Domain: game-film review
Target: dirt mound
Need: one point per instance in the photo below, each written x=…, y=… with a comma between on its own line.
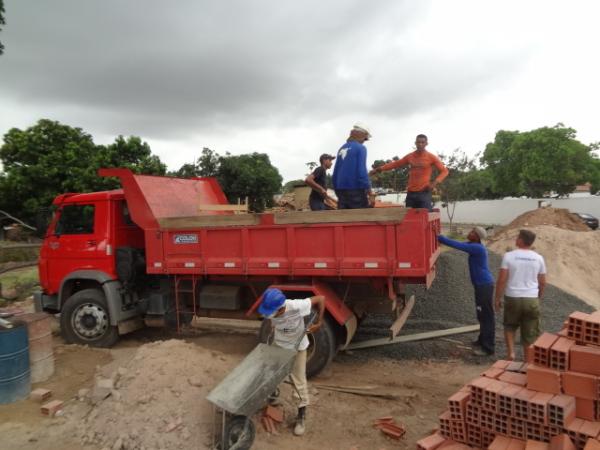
x=157, y=400
x=571, y=258
x=556, y=217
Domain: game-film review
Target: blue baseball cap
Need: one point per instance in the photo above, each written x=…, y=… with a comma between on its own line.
x=272, y=300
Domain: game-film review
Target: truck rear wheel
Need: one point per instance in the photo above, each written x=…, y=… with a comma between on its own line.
x=321, y=349
x=84, y=319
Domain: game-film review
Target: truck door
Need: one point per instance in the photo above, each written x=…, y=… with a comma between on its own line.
x=79, y=241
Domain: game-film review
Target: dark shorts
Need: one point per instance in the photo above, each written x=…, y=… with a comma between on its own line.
x=420, y=199
x=317, y=204
x=352, y=198
x=523, y=313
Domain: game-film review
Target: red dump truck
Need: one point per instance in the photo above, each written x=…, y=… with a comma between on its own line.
x=162, y=250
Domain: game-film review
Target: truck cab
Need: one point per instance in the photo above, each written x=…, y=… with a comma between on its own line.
x=77, y=265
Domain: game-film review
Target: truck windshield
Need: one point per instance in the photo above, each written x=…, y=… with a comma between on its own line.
x=76, y=219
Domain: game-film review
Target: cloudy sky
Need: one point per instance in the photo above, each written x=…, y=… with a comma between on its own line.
x=290, y=78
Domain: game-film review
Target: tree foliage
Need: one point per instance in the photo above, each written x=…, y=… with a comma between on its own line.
x=537, y=162
x=50, y=158
x=250, y=175
x=396, y=179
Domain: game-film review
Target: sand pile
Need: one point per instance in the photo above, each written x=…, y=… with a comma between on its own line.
x=157, y=400
x=572, y=258
x=557, y=217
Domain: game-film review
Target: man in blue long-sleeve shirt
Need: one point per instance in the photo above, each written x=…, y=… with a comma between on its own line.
x=350, y=178
x=483, y=282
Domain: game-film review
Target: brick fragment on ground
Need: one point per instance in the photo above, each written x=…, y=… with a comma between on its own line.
x=40, y=395
x=51, y=408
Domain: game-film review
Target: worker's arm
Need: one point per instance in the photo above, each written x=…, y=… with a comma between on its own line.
x=390, y=166
x=310, y=180
x=463, y=246
x=500, y=287
x=319, y=302
x=541, y=284
x=437, y=162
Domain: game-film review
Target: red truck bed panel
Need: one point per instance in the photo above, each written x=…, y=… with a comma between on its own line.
x=380, y=242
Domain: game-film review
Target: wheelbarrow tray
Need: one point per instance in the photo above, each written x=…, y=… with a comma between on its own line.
x=246, y=389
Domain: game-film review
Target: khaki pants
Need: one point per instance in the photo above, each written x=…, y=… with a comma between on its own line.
x=298, y=377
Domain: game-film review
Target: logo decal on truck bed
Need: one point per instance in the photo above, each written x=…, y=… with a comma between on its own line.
x=185, y=238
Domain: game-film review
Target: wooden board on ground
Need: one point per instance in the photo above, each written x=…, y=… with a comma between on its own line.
x=232, y=220
x=341, y=216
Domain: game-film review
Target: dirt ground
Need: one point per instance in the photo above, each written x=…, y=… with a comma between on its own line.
x=335, y=420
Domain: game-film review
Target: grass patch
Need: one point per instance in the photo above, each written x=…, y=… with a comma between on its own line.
x=18, y=284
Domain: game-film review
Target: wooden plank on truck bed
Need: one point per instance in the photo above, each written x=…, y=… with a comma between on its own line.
x=341, y=215
x=232, y=220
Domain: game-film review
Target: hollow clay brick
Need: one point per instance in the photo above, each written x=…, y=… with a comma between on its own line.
x=585, y=409
x=592, y=444
x=538, y=408
x=531, y=444
x=559, y=354
x=430, y=442
x=493, y=372
x=518, y=379
x=561, y=410
x=542, y=379
x=585, y=360
x=576, y=325
x=541, y=348
x=501, y=364
x=506, y=399
x=516, y=444
x=581, y=385
x=457, y=404
x=499, y=443
x=561, y=442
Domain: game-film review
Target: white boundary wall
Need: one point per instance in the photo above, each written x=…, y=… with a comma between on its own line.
x=502, y=212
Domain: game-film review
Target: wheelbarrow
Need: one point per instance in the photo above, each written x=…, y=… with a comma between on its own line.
x=246, y=390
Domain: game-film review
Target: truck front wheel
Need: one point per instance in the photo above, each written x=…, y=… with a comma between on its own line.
x=84, y=319
x=321, y=350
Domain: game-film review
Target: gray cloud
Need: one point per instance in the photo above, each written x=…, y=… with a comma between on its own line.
x=167, y=68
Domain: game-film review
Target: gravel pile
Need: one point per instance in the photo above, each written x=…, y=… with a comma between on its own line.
x=449, y=303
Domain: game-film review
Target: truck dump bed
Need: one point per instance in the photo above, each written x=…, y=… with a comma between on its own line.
x=377, y=242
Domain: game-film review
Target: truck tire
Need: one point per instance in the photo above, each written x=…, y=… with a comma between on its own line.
x=84, y=319
x=321, y=350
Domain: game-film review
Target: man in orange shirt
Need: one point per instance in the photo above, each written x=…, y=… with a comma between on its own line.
x=419, y=176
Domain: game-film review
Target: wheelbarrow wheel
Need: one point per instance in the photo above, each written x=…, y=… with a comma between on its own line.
x=239, y=433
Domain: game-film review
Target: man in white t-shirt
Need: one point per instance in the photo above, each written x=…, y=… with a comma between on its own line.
x=522, y=280
x=287, y=320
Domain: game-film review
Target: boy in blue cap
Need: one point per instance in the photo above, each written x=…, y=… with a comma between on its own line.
x=287, y=320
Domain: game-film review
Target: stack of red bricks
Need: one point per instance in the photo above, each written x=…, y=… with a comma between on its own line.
x=555, y=399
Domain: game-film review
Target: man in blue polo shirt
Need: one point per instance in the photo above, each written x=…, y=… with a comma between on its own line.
x=350, y=177
x=483, y=282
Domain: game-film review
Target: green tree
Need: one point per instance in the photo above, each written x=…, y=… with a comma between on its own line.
x=455, y=188
x=396, y=179
x=537, y=162
x=206, y=165
x=50, y=158
x=251, y=175
x=2, y=22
